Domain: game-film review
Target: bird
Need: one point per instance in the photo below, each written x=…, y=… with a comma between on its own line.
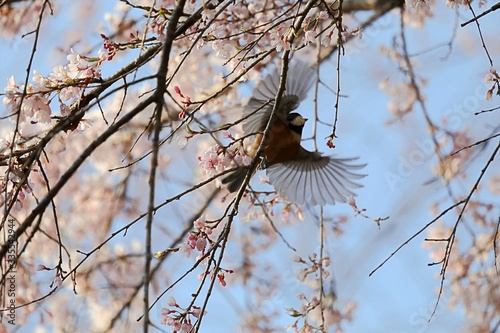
x=297, y=174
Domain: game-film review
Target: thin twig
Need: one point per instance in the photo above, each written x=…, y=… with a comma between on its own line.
x=416, y=234
x=451, y=242
x=481, y=33
x=475, y=18
x=495, y=244
x=475, y=144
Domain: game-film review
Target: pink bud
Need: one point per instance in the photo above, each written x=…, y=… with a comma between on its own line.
x=200, y=244
x=171, y=301
x=176, y=326
x=330, y=143
x=196, y=311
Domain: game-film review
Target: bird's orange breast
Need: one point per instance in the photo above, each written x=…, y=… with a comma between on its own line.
x=282, y=143
x=279, y=154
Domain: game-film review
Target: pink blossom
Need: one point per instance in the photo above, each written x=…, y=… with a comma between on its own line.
x=452, y=4
x=164, y=316
x=171, y=301
x=488, y=78
x=197, y=311
x=419, y=5
x=256, y=6
x=77, y=65
x=222, y=279
x=65, y=110
x=80, y=68
x=200, y=222
x=242, y=72
x=165, y=311
x=18, y=205
x=201, y=243
x=15, y=19
x=57, y=280
x=278, y=40
x=222, y=48
x=227, y=135
x=323, y=15
x=247, y=160
x=186, y=248
x=214, y=162
x=489, y=94
x=187, y=327
x=176, y=325
x=325, y=262
x=237, y=159
x=178, y=91
x=41, y=80
x=192, y=240
x=10, y=100
x=182, y=141
x=309, y=37
x=209, y=161
x=59, y=74
x=103, y=56
x=326, y=40
x=36, y=107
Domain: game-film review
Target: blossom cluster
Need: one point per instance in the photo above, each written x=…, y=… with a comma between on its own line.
x=179, y=319
x=13, y=190
x=220, y=273
x=313, y=265
x=470, y=272
x=452, y=164
x=12, y=186
x=401, y=92
x=15, y=17
x=418, y=10
x=33, y=101
x=493, y=78
x=250, y=28
x=217, y=159
x=197, y=238
x=319, y=310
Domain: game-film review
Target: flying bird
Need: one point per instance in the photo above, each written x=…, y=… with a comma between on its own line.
x=298, y=175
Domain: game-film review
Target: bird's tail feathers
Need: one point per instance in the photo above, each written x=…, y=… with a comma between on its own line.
x=235, y=179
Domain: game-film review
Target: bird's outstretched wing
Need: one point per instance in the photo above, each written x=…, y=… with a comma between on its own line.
x=316, y=179
x=299, y=80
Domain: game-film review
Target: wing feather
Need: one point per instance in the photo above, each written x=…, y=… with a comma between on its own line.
x=300, y=78
x=315, y=179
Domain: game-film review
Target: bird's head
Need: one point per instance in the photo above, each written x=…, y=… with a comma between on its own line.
x=296, y=122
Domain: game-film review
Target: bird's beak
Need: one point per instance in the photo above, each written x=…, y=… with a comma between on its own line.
x=305, y=119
